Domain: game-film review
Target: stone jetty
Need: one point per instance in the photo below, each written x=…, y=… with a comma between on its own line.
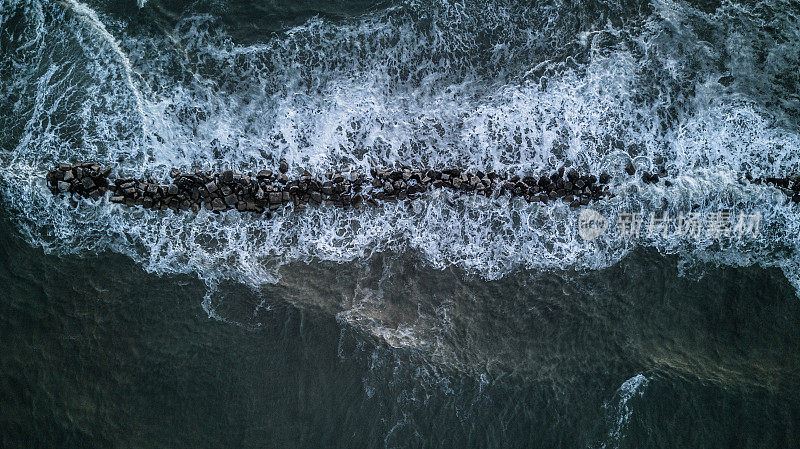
x=269, y=190
x=789, y=185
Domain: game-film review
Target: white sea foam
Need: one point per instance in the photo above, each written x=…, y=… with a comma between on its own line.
x=621, y=411
x=382, y=90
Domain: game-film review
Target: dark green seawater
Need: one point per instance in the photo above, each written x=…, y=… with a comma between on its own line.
x=98, y=353
x=447, y=322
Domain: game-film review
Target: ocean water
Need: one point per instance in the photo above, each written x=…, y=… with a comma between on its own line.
x=450, y=321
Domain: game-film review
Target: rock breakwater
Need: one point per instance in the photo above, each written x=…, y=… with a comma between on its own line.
x=269, y=190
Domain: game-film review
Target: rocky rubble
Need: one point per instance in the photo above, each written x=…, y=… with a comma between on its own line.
x=789, y=185
x=83, y=179
x=267, y=190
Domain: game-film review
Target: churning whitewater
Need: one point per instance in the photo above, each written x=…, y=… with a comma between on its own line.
x=702, y=96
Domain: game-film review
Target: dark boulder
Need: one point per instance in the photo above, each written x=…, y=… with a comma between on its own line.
x=87, y=183
x=227, y=177
x=218, y=204
x=231, y=200
x=572, y=175
x=630, y=168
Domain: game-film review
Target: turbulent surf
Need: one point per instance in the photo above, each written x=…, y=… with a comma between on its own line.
x=703, y=94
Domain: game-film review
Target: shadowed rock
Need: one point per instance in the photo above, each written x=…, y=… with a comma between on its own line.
x=267, y=191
